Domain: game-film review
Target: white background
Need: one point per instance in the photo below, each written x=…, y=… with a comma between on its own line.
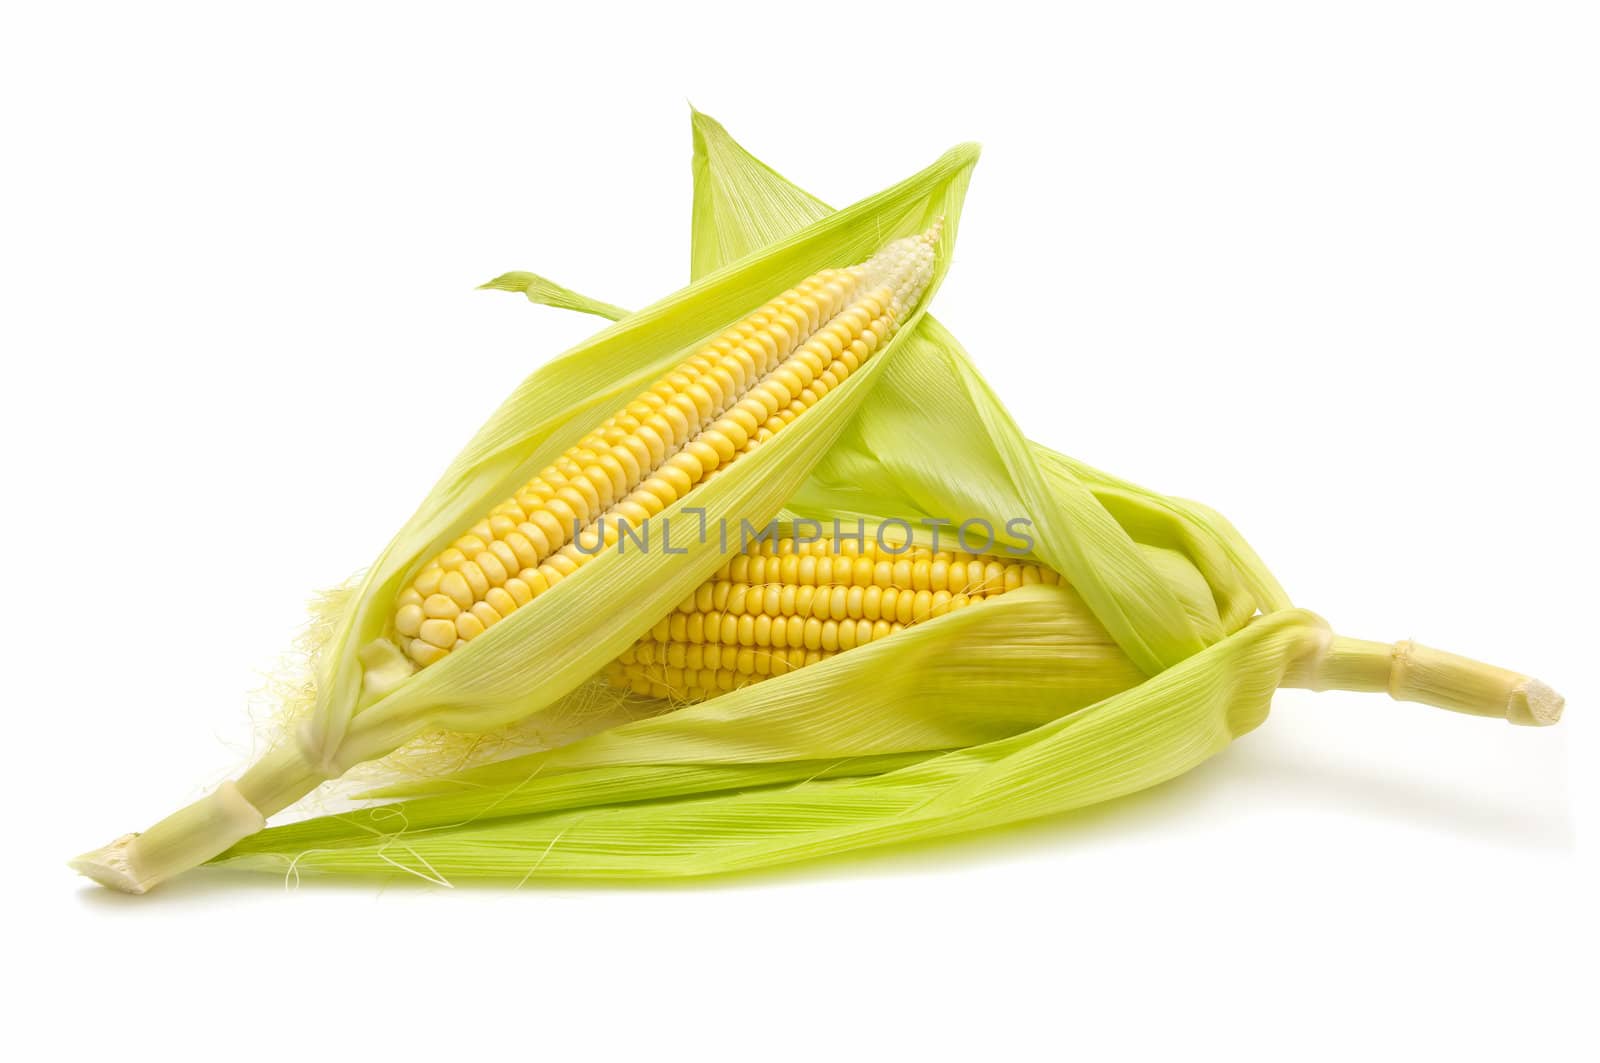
x=1332, y=271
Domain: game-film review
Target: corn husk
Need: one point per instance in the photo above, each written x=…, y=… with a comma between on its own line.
x=367, y=703
x=618, y=821
x=1167, y=645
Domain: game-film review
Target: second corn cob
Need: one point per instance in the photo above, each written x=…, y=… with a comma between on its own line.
x=786, y=603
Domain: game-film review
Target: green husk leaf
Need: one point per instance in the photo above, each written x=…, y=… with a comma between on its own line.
x=540, y=790
x=1154, y=731
x=548, y=293
x=740, y=203
x=895, y=461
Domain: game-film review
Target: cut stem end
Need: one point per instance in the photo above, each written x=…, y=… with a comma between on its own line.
x=135, y=863
x=1535, y=705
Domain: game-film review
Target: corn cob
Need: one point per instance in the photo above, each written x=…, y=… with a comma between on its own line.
x=733, y=394
x=788, y=603
x=419, y=604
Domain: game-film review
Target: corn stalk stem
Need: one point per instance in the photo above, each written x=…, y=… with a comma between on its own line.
x=194, y=834
x=1408, y=671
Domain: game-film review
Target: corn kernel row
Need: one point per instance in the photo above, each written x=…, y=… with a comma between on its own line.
x=802, y=602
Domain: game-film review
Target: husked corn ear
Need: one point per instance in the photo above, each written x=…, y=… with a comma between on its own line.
x=733, y=394
x=784, y=605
